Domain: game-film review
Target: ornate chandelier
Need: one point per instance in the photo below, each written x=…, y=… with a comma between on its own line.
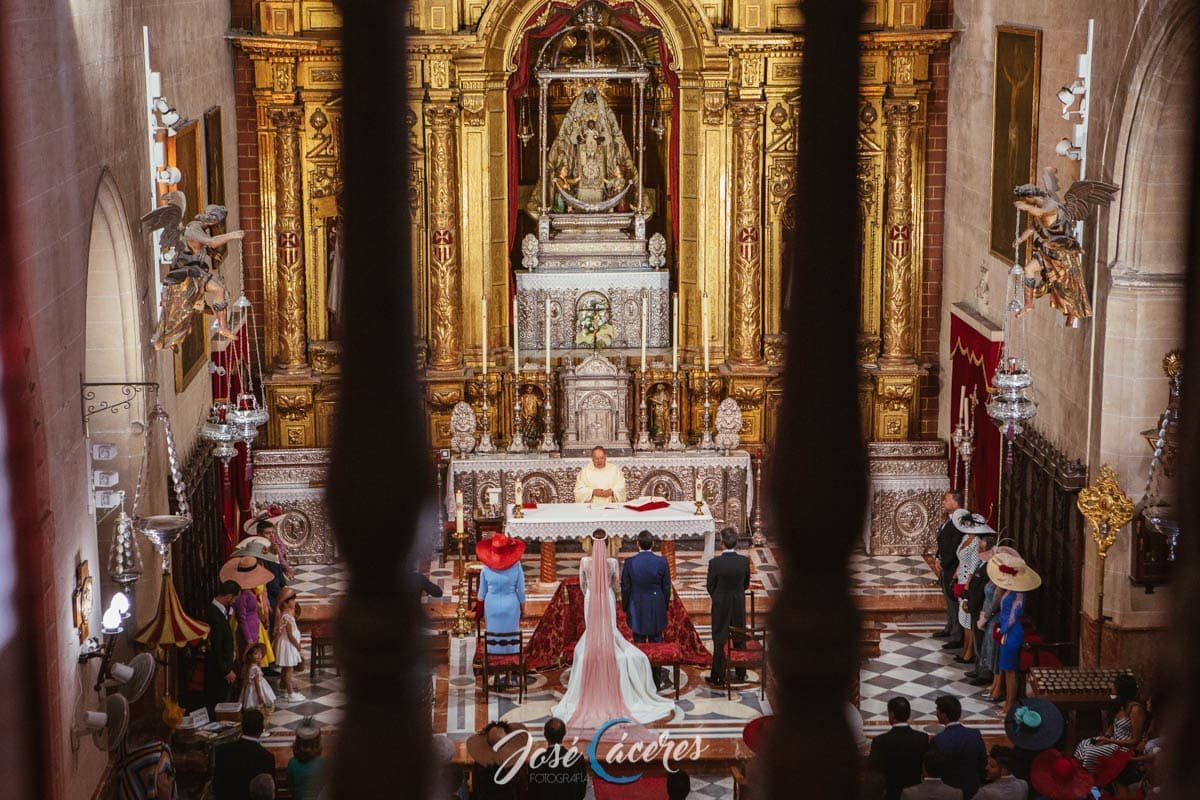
x=1011, y=404
x=162, y=529
x=1157, y=508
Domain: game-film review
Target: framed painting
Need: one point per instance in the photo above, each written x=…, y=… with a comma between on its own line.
x=1014, y=128
x=185, y=153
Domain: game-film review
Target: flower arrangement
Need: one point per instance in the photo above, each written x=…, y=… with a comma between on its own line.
x=594, y=326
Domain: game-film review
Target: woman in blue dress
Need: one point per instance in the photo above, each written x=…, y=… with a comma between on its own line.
x=1012, y=574
x=501, y=587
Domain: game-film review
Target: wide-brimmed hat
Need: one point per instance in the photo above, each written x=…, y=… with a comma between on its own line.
x=1012, y=573
x=970, y=522
x=1109, y=768
x=257, y=546
x=1034, y=724
x=499, y=551
x=1058, y=777
x=482, y=746
x=246, y=572
x=273, y=515
x=756, y=732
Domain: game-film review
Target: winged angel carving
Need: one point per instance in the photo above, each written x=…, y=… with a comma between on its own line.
x=190, y=283
x=1056, y=268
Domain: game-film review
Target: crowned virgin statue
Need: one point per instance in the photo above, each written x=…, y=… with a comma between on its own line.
x=589, y=165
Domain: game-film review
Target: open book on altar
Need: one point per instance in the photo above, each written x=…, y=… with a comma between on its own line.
x=647, y=503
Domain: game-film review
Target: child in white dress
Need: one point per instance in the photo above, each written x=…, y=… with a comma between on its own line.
x=256, y=692
x=287, y=645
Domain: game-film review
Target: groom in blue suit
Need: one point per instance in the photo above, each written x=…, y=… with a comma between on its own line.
x=645, y=591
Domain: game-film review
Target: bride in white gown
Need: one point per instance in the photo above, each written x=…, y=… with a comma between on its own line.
x=610, y=677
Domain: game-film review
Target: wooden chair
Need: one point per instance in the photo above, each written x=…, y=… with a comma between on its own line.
x=504, y=662
x=321, y=657
x=751, y=654
x=751, y=597
x=473, y=591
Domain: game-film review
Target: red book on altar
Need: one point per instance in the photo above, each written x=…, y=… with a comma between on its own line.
x=647, y=504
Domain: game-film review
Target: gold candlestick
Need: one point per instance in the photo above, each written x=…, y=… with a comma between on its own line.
x=462, y=624
x=699, y=508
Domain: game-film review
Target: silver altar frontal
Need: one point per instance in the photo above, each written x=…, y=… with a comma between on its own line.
x=908, y=481
x=572, y=295
x=725, y=480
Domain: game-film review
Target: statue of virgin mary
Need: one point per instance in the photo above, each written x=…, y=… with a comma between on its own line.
x=589, y=165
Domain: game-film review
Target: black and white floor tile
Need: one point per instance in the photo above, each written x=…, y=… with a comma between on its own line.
x=891, y=575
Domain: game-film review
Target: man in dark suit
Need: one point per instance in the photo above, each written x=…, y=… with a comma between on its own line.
x=728, y=580
x=553, y=778
x=645, y=591
x=981, y=673
x=946, y=565
x=237, y=763
x=897, y=754
x=966, y=755
x=219, y=675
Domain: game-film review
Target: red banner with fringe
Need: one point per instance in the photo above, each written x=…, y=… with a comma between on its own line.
x=974, y=355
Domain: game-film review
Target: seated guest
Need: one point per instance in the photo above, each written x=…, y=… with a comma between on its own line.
x=236, y=763
x=931, y=786
x=262, y=787
x=1056, y=777
x=553, y=778
x=489, y=749
x=966, y=755
x=304, y=767
x=897, y=754
x=1033, y=726
x=501, y=587
x=1001, y=783
x=679, y=785
x=448, y=775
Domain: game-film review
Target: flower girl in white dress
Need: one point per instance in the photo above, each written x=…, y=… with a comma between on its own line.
x=287, y=646
x=256, y=692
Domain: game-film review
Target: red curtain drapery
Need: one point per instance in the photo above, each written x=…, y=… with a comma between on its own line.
x=974, y=358
x=236, y=476
x=626, y=16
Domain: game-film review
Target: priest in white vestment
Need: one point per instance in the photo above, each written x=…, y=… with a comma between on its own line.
x=600, y=481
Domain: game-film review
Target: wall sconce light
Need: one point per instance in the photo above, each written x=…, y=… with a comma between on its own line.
x=1067, y=150
x=1068, y=95
x=111, y=626
x=165, y=112
x=170, y=175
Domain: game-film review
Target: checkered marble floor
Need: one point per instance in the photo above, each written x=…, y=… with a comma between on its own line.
x=892, y=575
x=913, y=664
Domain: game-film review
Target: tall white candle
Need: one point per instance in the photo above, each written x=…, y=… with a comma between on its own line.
x=962, y=404
x=516, y=342
x=517, y=492
x=675, y=333
x=704, y=328
x=458, y=510
x=547, y=336
x=699, y=491
x=645, y=319
x=483, y=305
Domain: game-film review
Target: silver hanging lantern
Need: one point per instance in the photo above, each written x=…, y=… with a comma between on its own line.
x=1011, y=405
x=162, y=529
x=1158, y=508
x=124, y=557
x=218, y=430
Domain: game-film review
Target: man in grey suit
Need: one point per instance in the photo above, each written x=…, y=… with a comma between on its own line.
x=1002, y=784
x=931, y=786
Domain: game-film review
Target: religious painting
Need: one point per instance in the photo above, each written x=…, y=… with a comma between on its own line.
x=185, y=153
x=1014, y=128
x=82, y=600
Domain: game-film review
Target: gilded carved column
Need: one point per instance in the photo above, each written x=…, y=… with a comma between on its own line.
x=746, y=275
x=899, y=308
x=445, y=266
x=289, y=251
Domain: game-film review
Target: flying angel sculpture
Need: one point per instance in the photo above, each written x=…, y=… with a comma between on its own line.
x=1056, y=267
x=190, y=284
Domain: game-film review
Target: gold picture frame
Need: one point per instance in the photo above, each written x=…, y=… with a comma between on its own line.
x=185, y=152
x=1016, y=86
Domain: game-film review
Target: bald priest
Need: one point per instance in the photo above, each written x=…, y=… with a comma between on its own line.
x=600, y=481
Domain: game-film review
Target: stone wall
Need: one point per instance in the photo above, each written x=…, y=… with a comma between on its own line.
x=75, y=78
x=1099, y=385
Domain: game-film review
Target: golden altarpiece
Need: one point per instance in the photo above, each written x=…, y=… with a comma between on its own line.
x=716, y=113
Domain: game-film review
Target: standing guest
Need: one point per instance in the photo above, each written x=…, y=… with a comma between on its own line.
x=502, y=587
x=287, y=646
x=966, y=755
x=974, y=597
x=1002, y=785
x=304, y=767
x=235, y=764
x=247, y=573
x=262, y=787
x=256, y=692
x=645, y=591
x=728, y=580
x=554, y=778
x=946, y=566
x=219, y=658
x=897, y=754
x=1016, y=578
x=490, y=749
x=972, y=526
x=931, y=786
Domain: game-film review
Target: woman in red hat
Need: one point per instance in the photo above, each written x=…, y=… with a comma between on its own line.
x=501, y=586
x=1057, y=777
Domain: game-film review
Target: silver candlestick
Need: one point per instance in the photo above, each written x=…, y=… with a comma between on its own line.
x=675, y=443
x=643, y=440
x=964, y=444
x=485, y=437
x=516, y=444
x=757, y=538
x=706, y=437
x=548, y=445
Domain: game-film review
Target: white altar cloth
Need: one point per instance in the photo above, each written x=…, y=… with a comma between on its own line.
x=553, y=521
